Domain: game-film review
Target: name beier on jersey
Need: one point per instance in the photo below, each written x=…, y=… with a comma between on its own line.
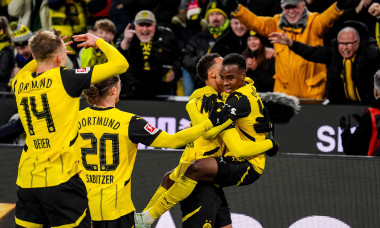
x=35, y=84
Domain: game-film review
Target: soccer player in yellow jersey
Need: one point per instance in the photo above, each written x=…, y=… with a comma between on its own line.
x=50, y=192
x=242, y=164
x=108, y=140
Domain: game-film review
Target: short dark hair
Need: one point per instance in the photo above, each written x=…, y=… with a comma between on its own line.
x=235, y=59
x=204, y=64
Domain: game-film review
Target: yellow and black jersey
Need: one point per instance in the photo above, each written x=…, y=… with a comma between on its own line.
x=108, y=140
x=200, y=148
x=246, y=103
x=48, y=106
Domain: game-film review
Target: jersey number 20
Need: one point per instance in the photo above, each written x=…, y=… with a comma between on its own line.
x=114, y=138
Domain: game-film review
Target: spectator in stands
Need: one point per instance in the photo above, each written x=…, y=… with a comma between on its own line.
x=69, y=17
x=351, y=61
x=7, y=60
x=24, y=55
x=260, y=62
x=364, y=140
x=294, y=75
x=154, y=58
x=32, y=13
x=202, y=42
x=104, y=29
x=358, y=13
x=234, y=40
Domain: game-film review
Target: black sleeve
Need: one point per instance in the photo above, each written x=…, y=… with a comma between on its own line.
x=358, y=142
x=76, y=80
x=239, y=105
x=315, y=54
x=140, y=131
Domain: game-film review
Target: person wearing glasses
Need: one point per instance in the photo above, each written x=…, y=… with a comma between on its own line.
x=351, y=60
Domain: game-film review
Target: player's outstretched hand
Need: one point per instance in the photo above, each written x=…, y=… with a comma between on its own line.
x=88, y=40
x=67, y=44
x=218, y=114
x=272, y=152
x=264, y=124
x=208, y=102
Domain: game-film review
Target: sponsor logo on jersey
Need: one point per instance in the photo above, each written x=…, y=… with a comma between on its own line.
x=149, y=128
x=82, y=70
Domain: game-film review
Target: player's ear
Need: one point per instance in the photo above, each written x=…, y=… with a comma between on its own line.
x=211, y=74
x=112, y=91
x=243, y=75
x=58, y=58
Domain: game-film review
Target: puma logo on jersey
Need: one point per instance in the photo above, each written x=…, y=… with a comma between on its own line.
x=238, y=97
x=82, y=70
x=149, y=128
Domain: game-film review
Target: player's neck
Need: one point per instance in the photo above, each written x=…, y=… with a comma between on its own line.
x=106, y=103
x=45, y=66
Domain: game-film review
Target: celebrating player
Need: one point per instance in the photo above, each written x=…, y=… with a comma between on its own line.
x=50, y=191
x=241, y=165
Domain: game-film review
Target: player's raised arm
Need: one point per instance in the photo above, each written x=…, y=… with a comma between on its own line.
x=117, y=64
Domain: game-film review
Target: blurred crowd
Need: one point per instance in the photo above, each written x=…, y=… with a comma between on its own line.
x=163, y=40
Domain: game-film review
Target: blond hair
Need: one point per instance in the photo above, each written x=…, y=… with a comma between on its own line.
x=45, y=43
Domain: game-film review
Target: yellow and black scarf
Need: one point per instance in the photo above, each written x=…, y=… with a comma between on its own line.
x=216, y=32
x=4, y=41
x=146, y=50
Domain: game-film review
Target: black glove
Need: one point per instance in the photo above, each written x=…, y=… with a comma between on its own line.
x=208, y=102
x=218, y=114
x=231, y=5
x=264, y=124
x=344, y=124
x=346, y=4
x=272, y=152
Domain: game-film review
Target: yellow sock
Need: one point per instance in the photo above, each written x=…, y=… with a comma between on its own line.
x=161, y=190
x=180, y=190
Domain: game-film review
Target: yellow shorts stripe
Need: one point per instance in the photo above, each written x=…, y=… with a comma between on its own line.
x=242, y=178
x=73, y=224
x=27, y=224
x=186, y=217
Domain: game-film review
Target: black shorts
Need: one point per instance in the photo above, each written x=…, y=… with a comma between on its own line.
x=64, y=204
x=234, y=171
x=127, y=221
x=205, y=207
